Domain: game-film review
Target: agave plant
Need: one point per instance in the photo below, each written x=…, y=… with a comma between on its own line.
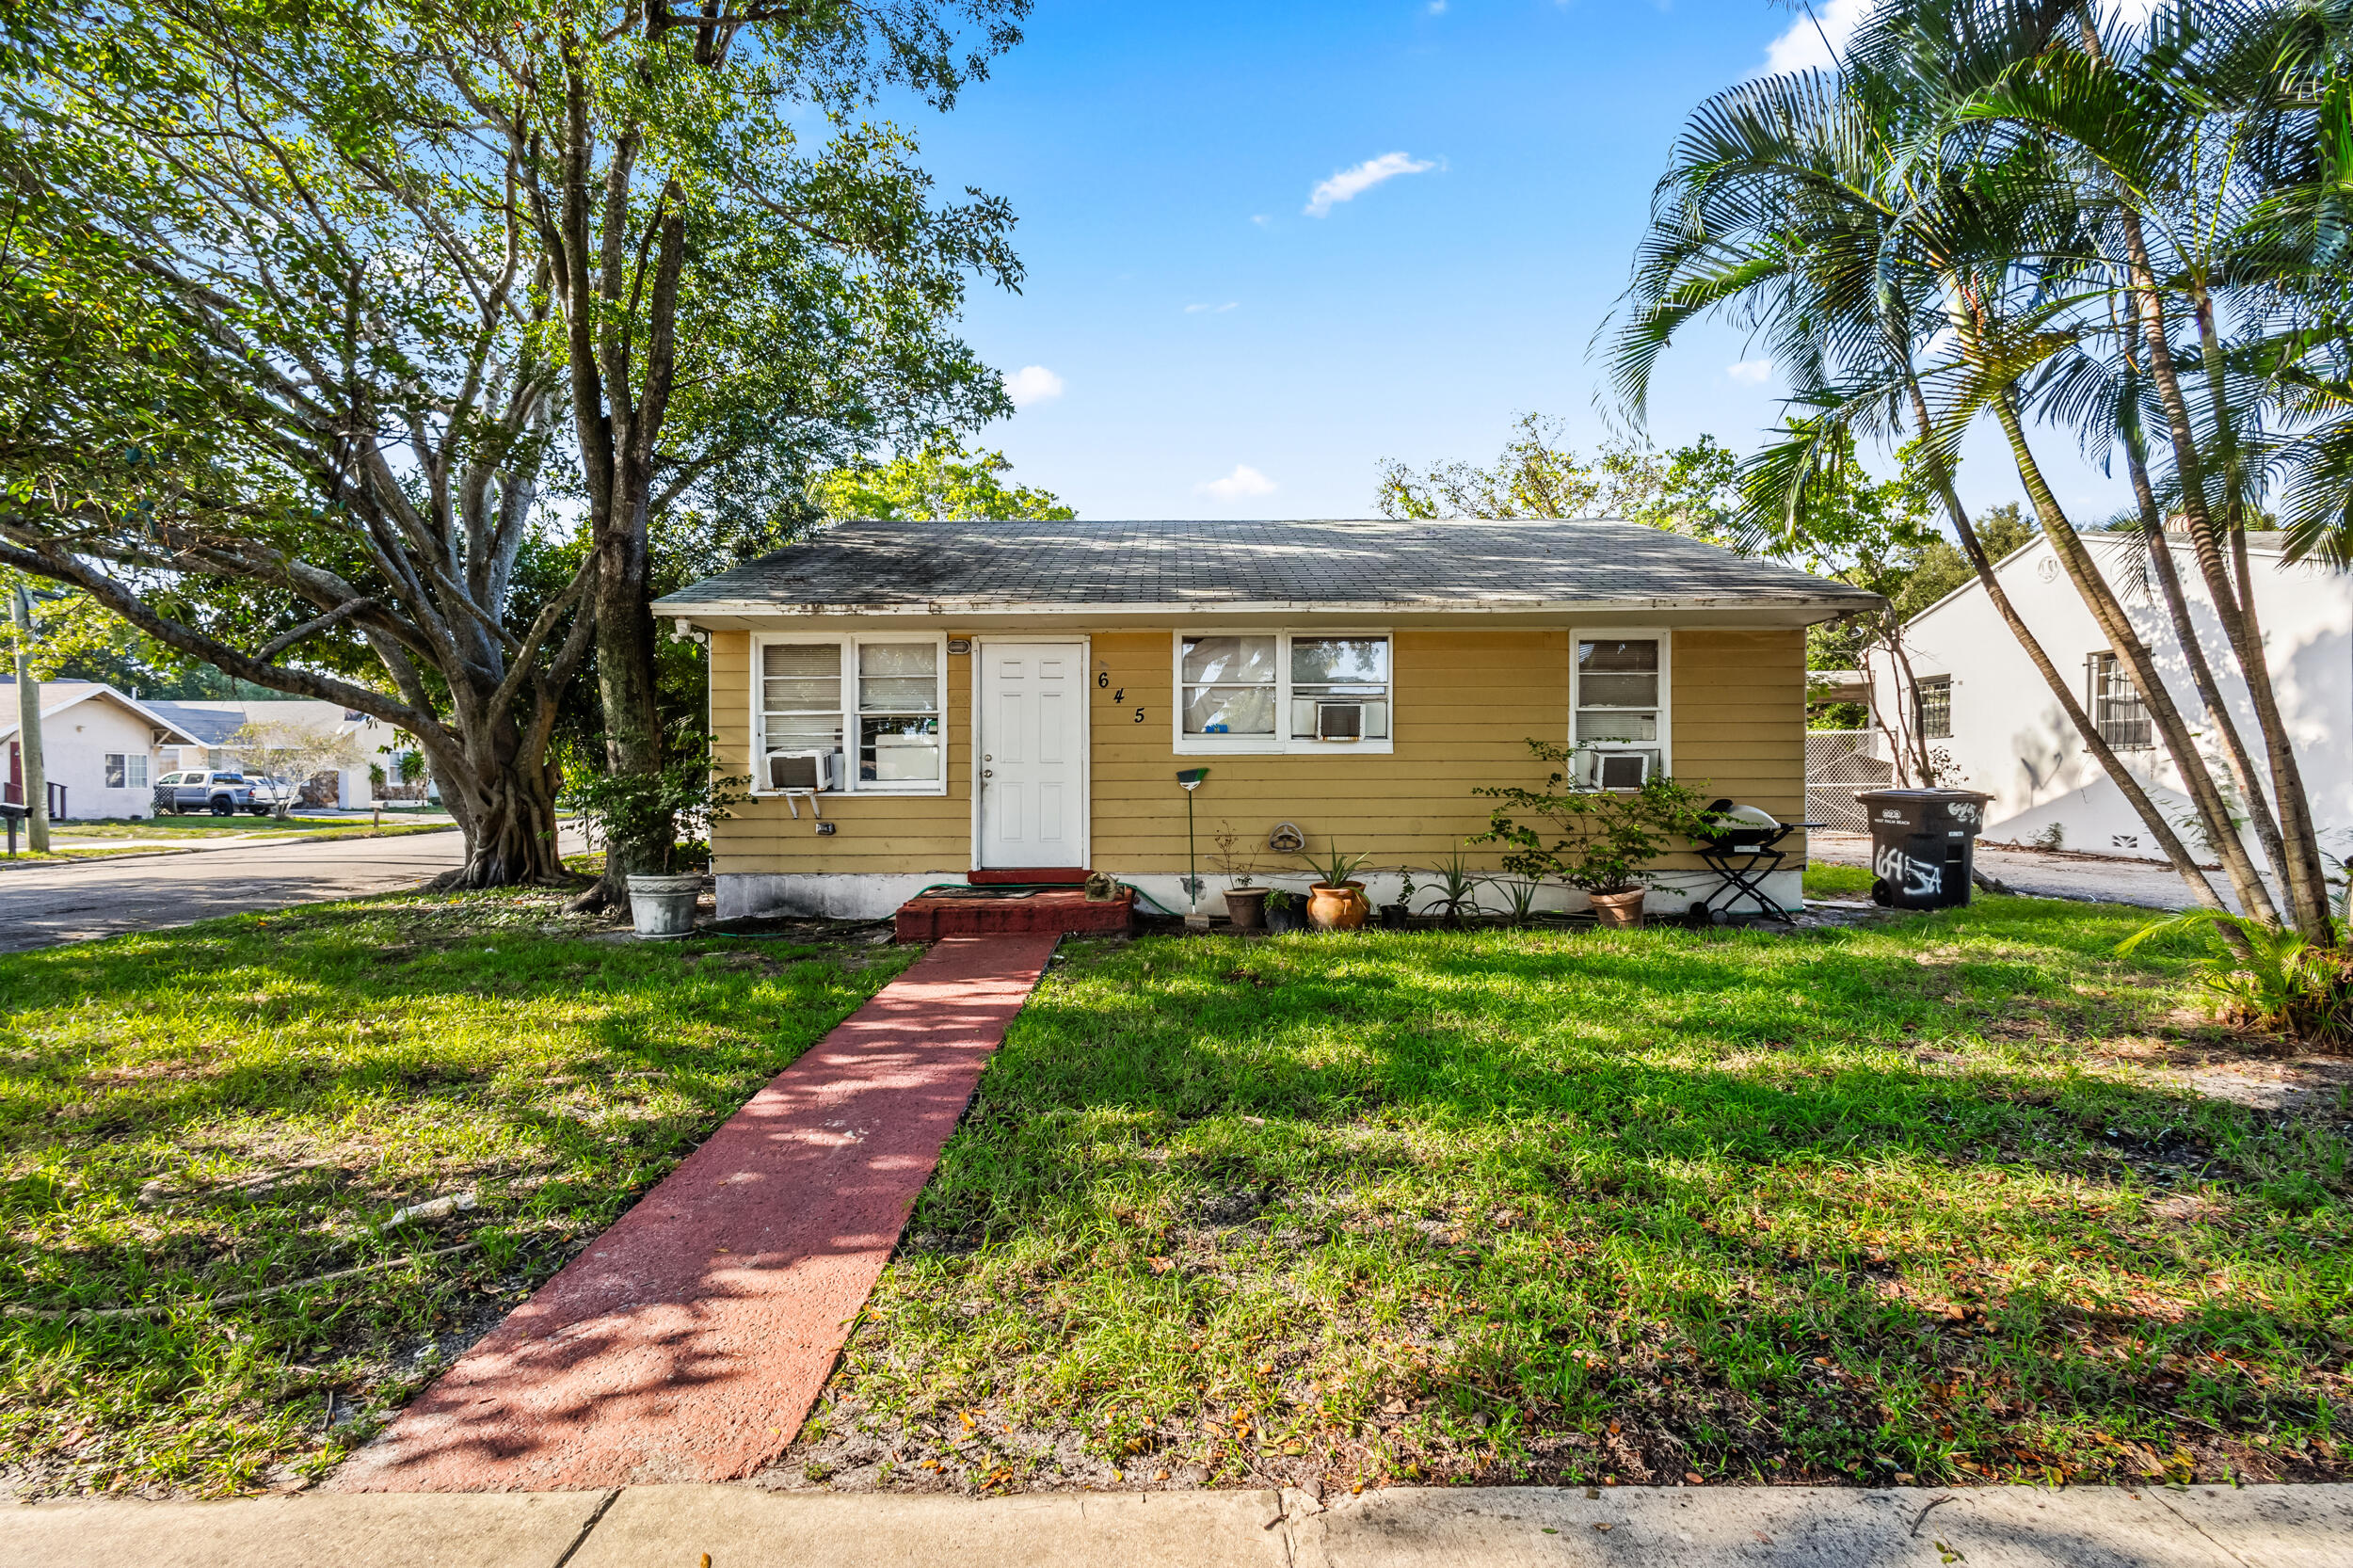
x=1457, y=887
x=1335, y=866
x=1522, y=891
x=2280, y=981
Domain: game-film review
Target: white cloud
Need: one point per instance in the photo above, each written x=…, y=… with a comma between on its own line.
x=1348, y=183
x=1436, y=7
x=1754, y=372
x=1802, y=47
x=1032, y=384
x=1211, y=309
x=1243, y=481
x=1260, y=220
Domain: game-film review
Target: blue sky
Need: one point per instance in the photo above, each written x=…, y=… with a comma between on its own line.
x=1270, y=245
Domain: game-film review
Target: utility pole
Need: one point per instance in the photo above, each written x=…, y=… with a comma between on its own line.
x=28, y=730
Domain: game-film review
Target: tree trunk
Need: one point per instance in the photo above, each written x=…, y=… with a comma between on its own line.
x=2176, y=853
x=2250, y=786
x=2213, y=811
x=2307, y=884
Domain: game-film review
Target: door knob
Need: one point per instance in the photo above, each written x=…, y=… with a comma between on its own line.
x=988, y=773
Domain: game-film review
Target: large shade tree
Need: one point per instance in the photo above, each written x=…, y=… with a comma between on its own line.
x=325, y=321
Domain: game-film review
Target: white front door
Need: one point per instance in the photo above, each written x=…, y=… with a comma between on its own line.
x=1032, y=738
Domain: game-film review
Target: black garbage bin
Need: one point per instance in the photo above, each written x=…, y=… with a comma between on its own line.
x=1922, y=845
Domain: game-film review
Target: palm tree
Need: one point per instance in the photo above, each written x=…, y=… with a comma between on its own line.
x=2151, y=128
x=1795, y=205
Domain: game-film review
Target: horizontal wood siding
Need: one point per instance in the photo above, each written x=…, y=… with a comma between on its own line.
x=1740, y=720
x=1467, y=702
x=872, y=833
x=1464, y=705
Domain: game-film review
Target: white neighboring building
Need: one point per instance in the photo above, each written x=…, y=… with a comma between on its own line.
x=210, y=723
x=105, y=748
x=1986, y=705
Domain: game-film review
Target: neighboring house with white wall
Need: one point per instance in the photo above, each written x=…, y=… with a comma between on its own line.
x=1981, y=702
x=106, y=749
x=212, y=726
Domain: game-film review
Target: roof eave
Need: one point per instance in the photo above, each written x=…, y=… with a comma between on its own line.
x=1837, y=604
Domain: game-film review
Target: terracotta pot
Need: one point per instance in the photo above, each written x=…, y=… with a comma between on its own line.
x=1248, y=907
x=1620, y=909
x=1331, y=908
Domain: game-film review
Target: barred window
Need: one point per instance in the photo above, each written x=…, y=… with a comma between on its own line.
x=1932, y=701
x=2117, y=707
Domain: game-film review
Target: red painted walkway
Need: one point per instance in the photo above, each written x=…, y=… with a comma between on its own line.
x=689, y=1341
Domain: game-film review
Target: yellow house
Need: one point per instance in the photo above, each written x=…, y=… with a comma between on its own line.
x=916, y=701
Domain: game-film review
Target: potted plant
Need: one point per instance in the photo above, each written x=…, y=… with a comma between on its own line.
x=1245, y=901
x=1394, y=916
x=1337, y=899
x=1285, y=911
x=1600, y=841
x=660, y=822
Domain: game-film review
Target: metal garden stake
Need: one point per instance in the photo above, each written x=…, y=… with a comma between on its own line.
x=1191, y=778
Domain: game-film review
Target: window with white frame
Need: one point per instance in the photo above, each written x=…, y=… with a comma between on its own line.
x=1619, y=710
x=1281, y=691
x=870, y=709
x=898, y=703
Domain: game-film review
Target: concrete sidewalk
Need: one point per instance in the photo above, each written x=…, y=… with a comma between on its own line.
x=672, y=1527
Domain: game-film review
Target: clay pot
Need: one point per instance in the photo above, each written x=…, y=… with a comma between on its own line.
x=1331, y=908
x=1618, y=910
x=1247, y=906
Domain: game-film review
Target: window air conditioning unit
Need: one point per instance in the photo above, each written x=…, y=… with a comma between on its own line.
x=1621, y=770
x=1340, y=721
x=801, y=770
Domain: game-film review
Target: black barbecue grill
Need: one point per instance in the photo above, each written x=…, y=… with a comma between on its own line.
x=1743, y=851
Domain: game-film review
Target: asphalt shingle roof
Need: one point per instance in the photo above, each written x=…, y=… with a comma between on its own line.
x=209, y=725
x=1480, y=564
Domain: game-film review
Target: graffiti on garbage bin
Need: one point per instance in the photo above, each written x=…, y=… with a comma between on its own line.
x=1962, y=810
x=1918, y=878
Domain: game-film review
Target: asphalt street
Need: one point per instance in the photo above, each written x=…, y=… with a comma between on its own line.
x=46, y=905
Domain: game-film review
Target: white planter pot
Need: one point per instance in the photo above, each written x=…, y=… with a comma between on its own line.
x=663, y=908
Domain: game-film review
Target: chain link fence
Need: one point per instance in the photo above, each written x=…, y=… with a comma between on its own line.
x=1839, y=764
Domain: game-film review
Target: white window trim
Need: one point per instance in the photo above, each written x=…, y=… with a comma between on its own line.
x=1279, y=743
x=849, y=644
x=1664, y=745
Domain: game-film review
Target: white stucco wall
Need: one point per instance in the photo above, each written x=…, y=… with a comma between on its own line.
x=75, y=740
x=2011, y=739
x=372, y=739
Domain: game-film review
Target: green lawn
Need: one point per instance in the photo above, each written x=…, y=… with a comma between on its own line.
x=244, y=1103
x=1927, y=1199
x=1837, y=882
x=241, y=825
x=61, y=852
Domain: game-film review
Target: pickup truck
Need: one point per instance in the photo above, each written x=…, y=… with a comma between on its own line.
x=221, y=794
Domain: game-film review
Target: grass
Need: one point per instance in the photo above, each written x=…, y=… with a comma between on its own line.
x=241, y=825
x=246, y=1102
x=1928, y=1199
x=67, y=852
x=1837, y=881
